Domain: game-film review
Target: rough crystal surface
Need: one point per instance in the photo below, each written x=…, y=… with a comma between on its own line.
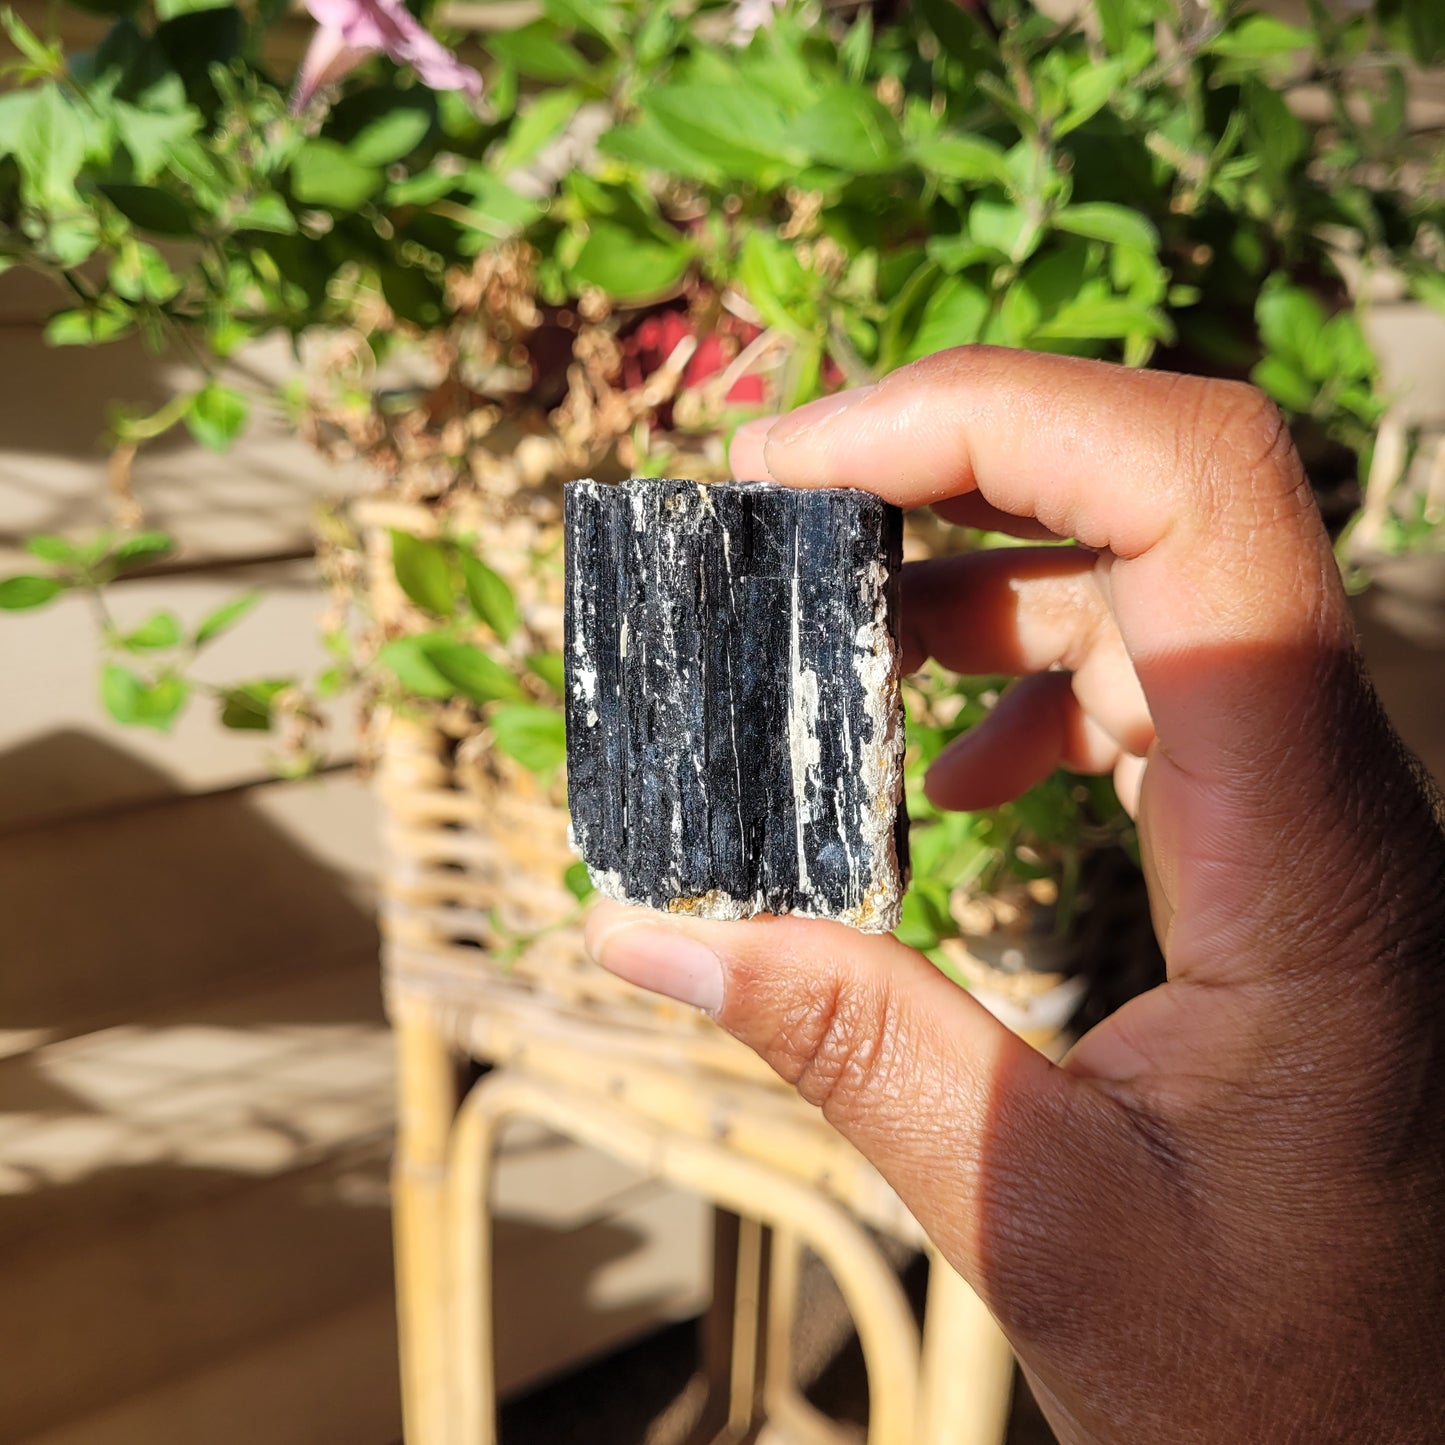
x=734, y=723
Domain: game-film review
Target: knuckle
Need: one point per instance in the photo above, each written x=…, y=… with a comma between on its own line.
x=1241, y=454
x=836, y=1044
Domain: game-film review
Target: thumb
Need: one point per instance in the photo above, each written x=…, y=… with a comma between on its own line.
x=912, y=1070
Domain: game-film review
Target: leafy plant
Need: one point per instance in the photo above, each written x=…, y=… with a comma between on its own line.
x=659, y=219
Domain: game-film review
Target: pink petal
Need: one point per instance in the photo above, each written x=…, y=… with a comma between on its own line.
x=356, y=20
x=407, y=42
x=328, y=58
x=351, y=29
x=750, y=16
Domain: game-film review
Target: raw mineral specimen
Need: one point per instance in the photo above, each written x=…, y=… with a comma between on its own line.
x=734, y=724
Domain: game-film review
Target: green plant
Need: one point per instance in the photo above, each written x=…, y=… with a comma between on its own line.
x=652, y=225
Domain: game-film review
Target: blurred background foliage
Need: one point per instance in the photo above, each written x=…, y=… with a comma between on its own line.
x=664, y=217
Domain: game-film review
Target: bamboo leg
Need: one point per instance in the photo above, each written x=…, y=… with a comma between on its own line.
x=747, y=1329
x=783, y=1402
x=426, y=1104
x=469, y=1238
x=716, y=1331
x=885, y=1324
x=967, y=1365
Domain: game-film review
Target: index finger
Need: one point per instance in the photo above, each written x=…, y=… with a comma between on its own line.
x=1190, y=485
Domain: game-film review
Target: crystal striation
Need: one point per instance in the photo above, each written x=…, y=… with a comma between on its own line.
x=734, y=722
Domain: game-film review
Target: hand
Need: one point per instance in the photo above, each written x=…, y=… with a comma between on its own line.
x=1222, y=1219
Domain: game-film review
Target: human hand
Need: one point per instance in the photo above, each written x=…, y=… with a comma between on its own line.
x=1222, y=1219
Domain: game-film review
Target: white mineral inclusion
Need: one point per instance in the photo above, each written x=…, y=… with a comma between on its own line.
x=876, y=664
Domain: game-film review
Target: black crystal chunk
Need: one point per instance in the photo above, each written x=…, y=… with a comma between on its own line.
x=734, y=723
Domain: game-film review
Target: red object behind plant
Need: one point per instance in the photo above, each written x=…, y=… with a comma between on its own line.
x=655, y=338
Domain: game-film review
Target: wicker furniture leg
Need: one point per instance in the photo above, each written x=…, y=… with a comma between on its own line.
x=717, y=1334
x=885, y=1323
x=747, y=1327
x=783, y=1402
x=967, y=1365
x=427, y=1098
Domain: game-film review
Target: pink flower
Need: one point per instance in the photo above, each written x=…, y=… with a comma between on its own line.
x=750, y=16
x=350, y=30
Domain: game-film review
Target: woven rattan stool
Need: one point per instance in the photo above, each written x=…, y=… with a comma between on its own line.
x=651, y=1083
x=483, y=962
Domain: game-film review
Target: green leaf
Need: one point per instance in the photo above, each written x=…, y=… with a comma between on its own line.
x=169, y=9
x=18, y=594
x=50, y=548
x=1429, y=287
x=73, y=240
x=331, y=681
x=776, y=282
x=412, y=295
x=50, y=148
x=223, y=618
x=550, y=667
x=578, y=881
x=160, y=630
x=326, y=174
x=1275, y=134
x=151, y=209
x=536, y=124
x=923, y=923
x=960, y=34
x=601, y=18
x=1290, y=320
x=265, y=213
x=1285, y=383
x=472, y=672
x=1108, y=319
x=120, y=691
x=88, y=326
x=962, y=158
x=1103, y=221
x=1425, y=26
x=407, y=660
x=249, y=708
x=133, y=701
x=627, y=265
x=139, y=548
x=162, y=702
x=1257, y=37
x=1090, y=89
x=140, y=273
x=535, y=736
x=151, y=136
x=849, y=128
x=490, y=596
x=536, y=51
x=392, y=136
x=1000, y=226
x=494, y=208
x=424, y=572
x=194, y=44
x=739, y=128
x=216, y=416
x=45, y=57
x=954, y=315
x=14, y=108
x=1118, y=19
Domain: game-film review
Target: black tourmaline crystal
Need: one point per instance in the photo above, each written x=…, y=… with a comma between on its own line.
x=734, y=725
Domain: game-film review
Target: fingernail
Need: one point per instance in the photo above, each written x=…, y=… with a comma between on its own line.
x=807, y=419
x=756, y=429
x=663, y=961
